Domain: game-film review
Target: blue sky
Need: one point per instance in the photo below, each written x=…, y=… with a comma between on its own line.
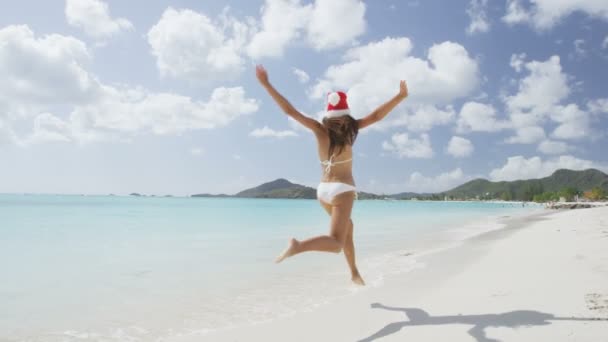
x=160, y=97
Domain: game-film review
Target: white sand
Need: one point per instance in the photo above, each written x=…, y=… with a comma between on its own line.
x=544, y=280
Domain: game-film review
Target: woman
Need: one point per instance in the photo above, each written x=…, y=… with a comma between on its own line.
x=336, y=192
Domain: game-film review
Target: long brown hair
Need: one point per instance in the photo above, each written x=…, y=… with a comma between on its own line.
x=342, y=130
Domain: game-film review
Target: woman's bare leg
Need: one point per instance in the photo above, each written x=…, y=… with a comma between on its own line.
x=349, y=248
x=321, y=243
x=349, y=253
x=334, y=242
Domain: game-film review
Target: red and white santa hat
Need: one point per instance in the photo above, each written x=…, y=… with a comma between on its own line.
x=336, y=105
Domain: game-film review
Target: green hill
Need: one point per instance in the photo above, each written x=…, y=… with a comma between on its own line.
x=368, y=195
x=526, y=189
x=520, y=190
x=280, y=188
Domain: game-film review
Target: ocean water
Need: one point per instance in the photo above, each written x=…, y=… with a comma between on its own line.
x=110, y=268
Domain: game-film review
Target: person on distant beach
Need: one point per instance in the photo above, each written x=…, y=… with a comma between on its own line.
x=336, y=192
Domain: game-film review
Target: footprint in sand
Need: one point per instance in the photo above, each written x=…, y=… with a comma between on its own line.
x=597, y=302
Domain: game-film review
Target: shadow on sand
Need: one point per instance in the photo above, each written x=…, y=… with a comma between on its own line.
x=479, y=323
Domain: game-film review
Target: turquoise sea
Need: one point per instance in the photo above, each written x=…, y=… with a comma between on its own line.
x=112, y=268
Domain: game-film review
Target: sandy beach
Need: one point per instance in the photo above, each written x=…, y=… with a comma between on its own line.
x=540, y=278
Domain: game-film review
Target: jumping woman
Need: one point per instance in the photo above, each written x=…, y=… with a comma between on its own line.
x=335, y=135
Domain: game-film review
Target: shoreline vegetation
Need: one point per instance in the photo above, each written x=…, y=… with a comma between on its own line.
x=562, y=186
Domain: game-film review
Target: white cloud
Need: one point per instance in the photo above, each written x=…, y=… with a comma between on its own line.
x=598, y=106
x=39, y=75
x=301, y=75
x=335, y=23
x=268, y=132
x=460, y=147
x=479, y=117
x=371, y=75
x=605, y=43
x=443, y=182
x=424, y=117
x=121, y=111
x=479, y=19
x=43, y=71
x=515, y=13
x=326, y=24
x=93, y=16
x=527, y=135
x=191, y=46
x=579, y=50
x=518, y=167
x=553, y=147
x=136, y=109
x=373, y=71
x=406, y=147
x=539, y=98
x=282, y=22
x=517, y=61
x=544, y=87
x=48, y=128
x=545, y=14
x=573, y=122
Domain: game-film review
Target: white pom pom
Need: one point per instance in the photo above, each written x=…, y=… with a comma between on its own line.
x=333, y=99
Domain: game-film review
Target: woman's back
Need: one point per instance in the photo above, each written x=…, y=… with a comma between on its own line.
x=338, y=166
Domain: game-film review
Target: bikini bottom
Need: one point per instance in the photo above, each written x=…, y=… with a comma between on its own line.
x=326, y=191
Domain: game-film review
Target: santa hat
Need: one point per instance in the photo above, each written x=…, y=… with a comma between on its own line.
x=336, y=105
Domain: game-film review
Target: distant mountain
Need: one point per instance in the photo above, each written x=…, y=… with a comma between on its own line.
x=581, y=180
x=526, y=189
x=280, y=188
x=368, y=195
x=478, y=188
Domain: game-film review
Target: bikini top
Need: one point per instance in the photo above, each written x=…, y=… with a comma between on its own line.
x=329, y=163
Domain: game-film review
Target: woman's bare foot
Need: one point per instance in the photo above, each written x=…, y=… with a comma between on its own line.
x=289, y=251
x=356, y=278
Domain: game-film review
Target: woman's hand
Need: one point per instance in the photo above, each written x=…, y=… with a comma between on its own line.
x=287, y=108
x=403, y=89
x=261, y=74
x=385, y=108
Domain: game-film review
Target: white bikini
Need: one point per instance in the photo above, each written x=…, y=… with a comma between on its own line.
x=326, y=191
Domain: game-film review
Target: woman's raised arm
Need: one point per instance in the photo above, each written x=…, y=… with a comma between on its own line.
x=385, y=108
x=308, y=122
